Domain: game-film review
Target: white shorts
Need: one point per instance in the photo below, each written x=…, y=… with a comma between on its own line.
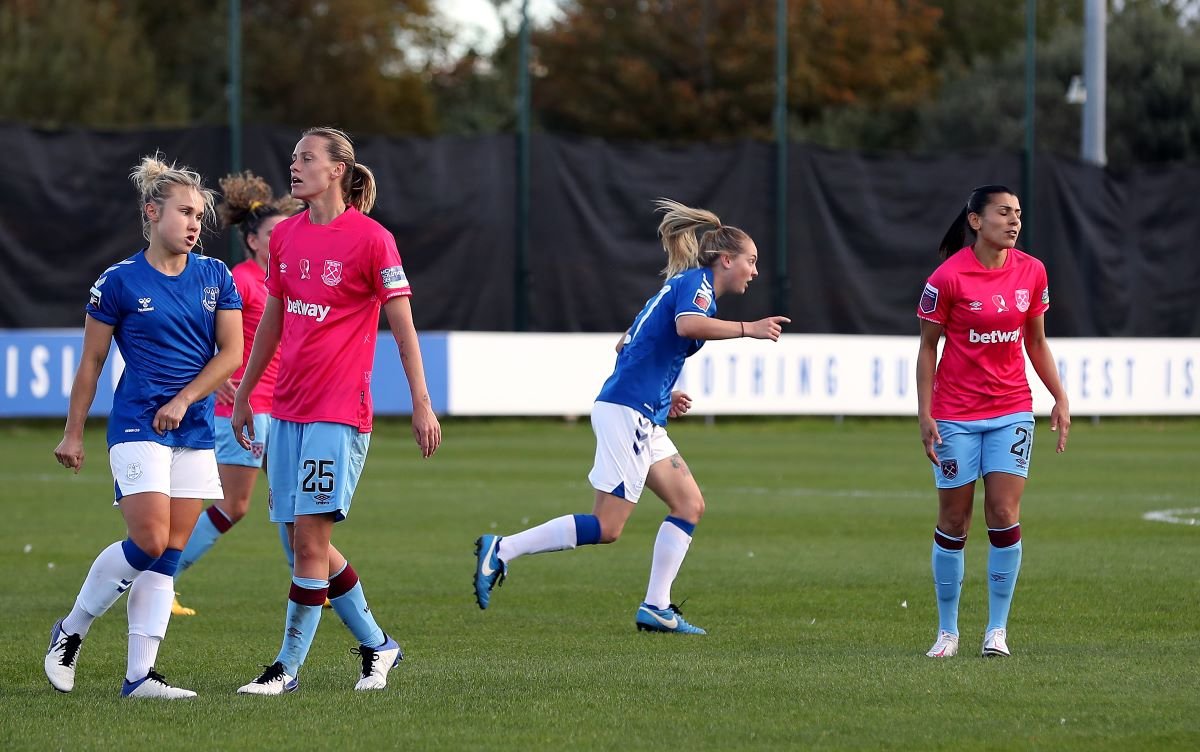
x=178, y=472
x=627, y=444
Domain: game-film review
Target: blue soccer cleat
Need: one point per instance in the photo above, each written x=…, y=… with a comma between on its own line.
x=669, y=619
x=489, y=570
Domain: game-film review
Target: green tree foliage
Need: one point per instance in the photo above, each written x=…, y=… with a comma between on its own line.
x=66, y=62
x=1153, y=93
x=704, y=69
x=359, y=64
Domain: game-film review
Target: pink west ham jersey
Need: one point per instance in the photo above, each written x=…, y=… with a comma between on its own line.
x=332, y=280
x=981, y=373
x=250, y=280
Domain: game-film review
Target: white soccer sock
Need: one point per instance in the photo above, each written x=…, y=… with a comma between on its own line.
x=556, y=535
x=143, y=651
x=110, y=575
x=149, y=612
x=670, y=547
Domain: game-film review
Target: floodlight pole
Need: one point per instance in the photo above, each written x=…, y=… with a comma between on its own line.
x=782, y=284
x=234, y=95
x=1027, y=197
x=1094, y=79
x=521, y=267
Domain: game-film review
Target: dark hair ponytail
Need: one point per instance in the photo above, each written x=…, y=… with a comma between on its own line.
x=956, y=237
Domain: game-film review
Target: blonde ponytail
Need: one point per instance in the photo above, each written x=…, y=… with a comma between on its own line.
x=677, y=230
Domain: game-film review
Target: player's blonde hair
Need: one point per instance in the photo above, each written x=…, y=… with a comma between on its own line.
x=155, y=179
x=677, y=230
x=358, y=182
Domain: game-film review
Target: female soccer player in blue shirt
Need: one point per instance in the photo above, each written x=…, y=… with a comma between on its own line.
x=630, y=415
x=169, y=311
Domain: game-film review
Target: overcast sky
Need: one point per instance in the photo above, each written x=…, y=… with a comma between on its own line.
x=476, y=21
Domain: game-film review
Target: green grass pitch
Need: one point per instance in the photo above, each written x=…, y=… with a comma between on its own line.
x=810, y=571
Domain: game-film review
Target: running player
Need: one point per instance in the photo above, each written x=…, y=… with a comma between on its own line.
x=168, y=310
x=630, y=414
x=975, y=409
x=249, y=206
x=331, y=269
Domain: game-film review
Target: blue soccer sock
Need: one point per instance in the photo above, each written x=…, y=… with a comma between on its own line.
x=305, y=603
x=350, y=603
x=948, y=567
x=288, y=551
x=210, y=526
x=1004, y=564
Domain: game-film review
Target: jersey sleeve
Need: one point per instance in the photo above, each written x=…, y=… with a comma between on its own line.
x=1041, y=294
x=227, y=294
x=272, y=282
x=694, y=296
x=389, y=279
x=104, y=299
x=935, y=301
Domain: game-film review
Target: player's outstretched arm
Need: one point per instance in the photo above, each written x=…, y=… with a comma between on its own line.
x=266, y=341
x=704, y=328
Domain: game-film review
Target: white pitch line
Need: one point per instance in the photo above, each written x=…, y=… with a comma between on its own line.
x=1189, y=516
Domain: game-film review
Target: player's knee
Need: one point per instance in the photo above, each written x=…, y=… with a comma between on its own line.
x=153, y=545
x=610, y=532
x=690, y=508
x=237, y=509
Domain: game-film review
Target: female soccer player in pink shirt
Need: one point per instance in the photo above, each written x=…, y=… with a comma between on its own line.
x=250, y=206
x=331, y=268
x=975, y=409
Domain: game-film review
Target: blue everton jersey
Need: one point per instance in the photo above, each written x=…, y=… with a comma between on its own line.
x=649, y=363
x=166, y=329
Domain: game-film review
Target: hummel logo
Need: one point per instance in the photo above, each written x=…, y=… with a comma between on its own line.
x=671, y=623
x=485, y=565
x=144, y=305
x=124, y=585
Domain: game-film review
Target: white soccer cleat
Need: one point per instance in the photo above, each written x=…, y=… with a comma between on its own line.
x=995, y=643
x=274, y=681
x=376, y=663
x=945, y=647
x=154, y=686
x=61, y=657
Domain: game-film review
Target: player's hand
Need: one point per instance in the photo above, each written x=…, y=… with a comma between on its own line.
x=680, y=404
x=69, y=453
x=930, y=437
x=1060, y=421
x=242, y=421
x=426, y=430
x=769, y=328
x=170, y=415
x=226, y=391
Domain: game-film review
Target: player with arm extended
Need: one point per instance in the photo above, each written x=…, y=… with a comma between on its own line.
x=169, y=310
x=250, y=206
x=629, y=417
x=975, y=410
x=331, y=269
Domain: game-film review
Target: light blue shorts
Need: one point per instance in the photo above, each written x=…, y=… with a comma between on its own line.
x=313, y=468
x=230, y=452
x=971, y=449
